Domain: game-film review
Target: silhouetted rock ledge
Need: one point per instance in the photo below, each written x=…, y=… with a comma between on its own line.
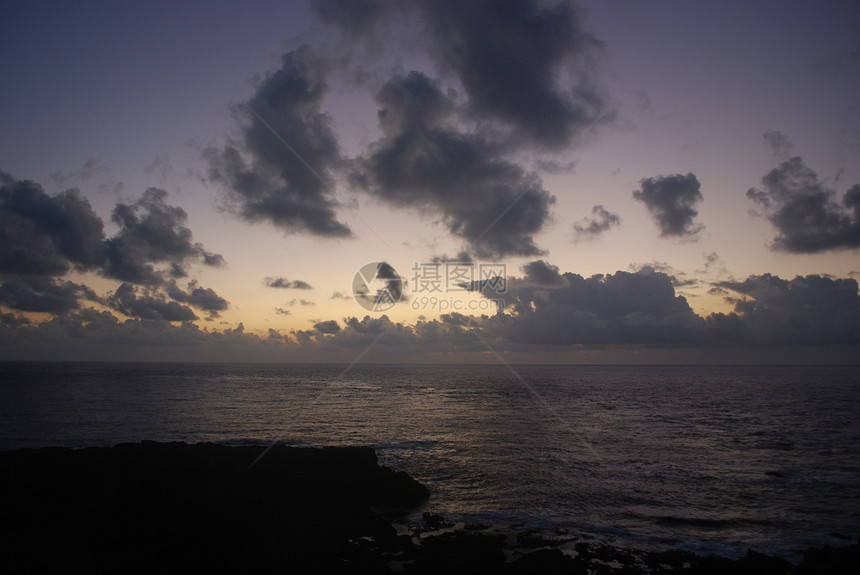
x=178, y=508
x=174, y=507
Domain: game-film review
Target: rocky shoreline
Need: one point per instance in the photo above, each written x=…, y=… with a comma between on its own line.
x=173, y=507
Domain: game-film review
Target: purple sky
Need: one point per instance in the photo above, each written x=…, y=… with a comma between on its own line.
x=657, y=181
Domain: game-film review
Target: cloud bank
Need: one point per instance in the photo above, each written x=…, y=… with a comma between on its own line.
x=546, y=311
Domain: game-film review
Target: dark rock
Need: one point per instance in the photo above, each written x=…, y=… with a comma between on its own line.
x=205, y=506
x=838, y=561
x=434, y=522
x=547, y=562
x=674, y=559
x=533, y=541
x=755, y=562
x=460, y=552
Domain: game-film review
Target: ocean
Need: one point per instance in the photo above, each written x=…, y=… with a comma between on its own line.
x=712, y=459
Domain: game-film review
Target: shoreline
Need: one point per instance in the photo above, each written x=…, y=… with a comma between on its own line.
x=177, y=507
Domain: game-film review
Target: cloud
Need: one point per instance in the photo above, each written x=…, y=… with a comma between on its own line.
x=327, y=327
x=282, y=311
x=13, y=321
x=541, y=273
x=41, y=294
x=805, y=212
x=152, y=232
x=202, y=298
x=529, y=69
x=284, y=283
x=640, y=312
x=422, y=162
x=813, y=309
x=515, y=77
x=47, y=235
x=281, y=167
x=780, y=144
x=51, y=235
x=671, y=200
x=153, y=306
x=42, y=238
x=591, y=227
x=677, y=277
x=301, y=302
x=620, y=308
x=445, y=151
x=530, y=66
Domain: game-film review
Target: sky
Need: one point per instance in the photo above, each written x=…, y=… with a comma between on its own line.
x=427, y=181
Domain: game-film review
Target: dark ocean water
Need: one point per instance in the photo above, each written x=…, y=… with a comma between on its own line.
x=713, y=459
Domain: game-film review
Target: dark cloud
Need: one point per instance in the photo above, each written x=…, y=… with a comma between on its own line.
x=805, y=212
x=327, y=327
x=204, y=299
x=284, y=283
x=212, y=260
x=542, y=273
x=282, y=311
x=591, y=227
x=47, y=235
x=813, y=309
x=677, y=277
x=423, y=162
x=530, y=65
x=622, y=308
x=13, y=321
x=281, y=168
x=152, y=232
x=671, y=200
x=529, y=69
x=44, y=237
x=41, y=294
x=153, y=306
x=278, y=336
x=489, y=287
